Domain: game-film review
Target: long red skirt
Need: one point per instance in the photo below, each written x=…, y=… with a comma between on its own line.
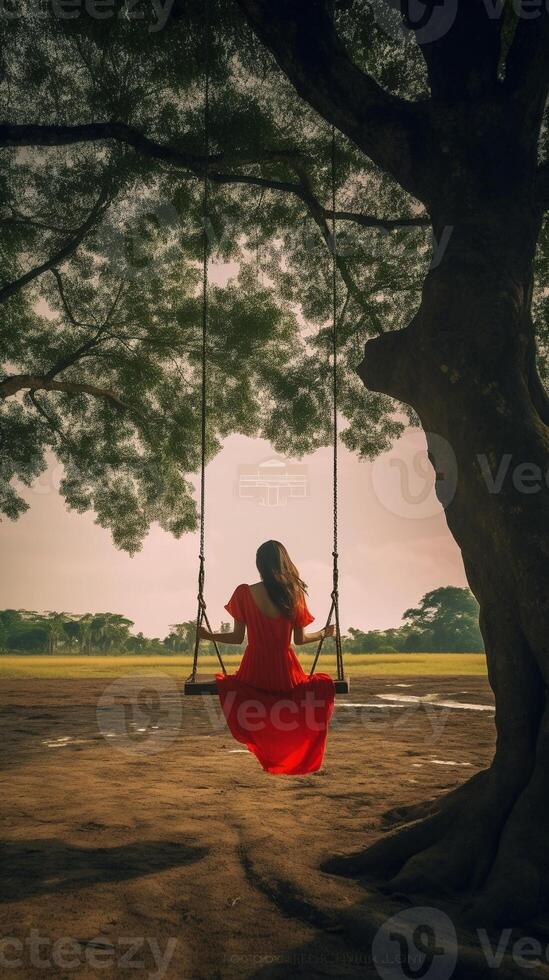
x=285, y=730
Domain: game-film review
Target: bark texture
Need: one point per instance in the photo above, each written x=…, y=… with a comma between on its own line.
x=466, y=365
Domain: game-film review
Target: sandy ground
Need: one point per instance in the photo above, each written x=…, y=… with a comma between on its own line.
x=143, y=842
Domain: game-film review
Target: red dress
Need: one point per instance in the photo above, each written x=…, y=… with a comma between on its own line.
x=271, y=706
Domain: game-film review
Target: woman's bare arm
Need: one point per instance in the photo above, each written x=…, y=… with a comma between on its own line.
x=235, y=636
x=301, y=637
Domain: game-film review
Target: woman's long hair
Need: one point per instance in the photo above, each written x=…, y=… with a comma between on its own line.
x=280, y=577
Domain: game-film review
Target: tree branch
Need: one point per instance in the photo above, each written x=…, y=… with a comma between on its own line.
x=460, y=44
x=36, y=135
x=527, y=71
x=64, y=302
x=394, y=133
x=70, y=359
x=60, y=255
x=542, y=186
x=114, y=304
x=30, y=395
x=388, y=224
x=12, y=385
x=528, y=57
x=29, y=382
x=30, y=135
x=318, y=215
x=22, y=219
x=289, y=187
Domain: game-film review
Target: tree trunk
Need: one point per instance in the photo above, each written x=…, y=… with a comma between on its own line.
x=466, y=364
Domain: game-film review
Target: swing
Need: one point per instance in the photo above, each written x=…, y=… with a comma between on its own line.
x=192, y=684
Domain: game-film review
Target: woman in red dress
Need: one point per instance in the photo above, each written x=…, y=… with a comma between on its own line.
x=271, y=705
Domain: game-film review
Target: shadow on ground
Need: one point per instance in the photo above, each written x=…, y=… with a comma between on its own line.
x=49, y=866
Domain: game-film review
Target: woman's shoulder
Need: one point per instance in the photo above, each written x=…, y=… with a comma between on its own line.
x=302, y=615
x=242, y=589
x=238, y=604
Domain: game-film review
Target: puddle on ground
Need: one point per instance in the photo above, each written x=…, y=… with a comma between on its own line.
x=64, y=742
x=444, y=762
x=384, y=702
x=408, y=698
x=365, y=704
x=435, y=700
x=439, y=762
x=466, y=707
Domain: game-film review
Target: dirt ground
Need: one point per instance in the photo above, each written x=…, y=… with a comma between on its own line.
x=139, y=840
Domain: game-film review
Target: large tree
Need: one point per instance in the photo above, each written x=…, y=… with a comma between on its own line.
x=439, y=123
x=445, y=619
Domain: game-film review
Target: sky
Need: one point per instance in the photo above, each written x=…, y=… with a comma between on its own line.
x=393, y=542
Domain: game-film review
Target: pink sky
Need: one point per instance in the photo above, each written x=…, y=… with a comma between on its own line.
x=394, y=544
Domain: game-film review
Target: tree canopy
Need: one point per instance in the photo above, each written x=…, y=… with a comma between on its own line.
x=24, y=630
x=445, y=619
x=100, y=237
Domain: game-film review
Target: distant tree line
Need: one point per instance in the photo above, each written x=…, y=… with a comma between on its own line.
x=446, y=620
x=54, y=632
x=24, y=631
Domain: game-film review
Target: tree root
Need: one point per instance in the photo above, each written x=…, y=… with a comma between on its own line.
x=392, y=852
x=484, y=841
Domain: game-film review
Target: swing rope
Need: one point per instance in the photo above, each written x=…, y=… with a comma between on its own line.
x=334, y=607
x=202, y=616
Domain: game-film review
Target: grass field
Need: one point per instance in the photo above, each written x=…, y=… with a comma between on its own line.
x=357, y=665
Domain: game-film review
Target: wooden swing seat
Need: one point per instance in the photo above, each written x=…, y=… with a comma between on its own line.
x=210, y=687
